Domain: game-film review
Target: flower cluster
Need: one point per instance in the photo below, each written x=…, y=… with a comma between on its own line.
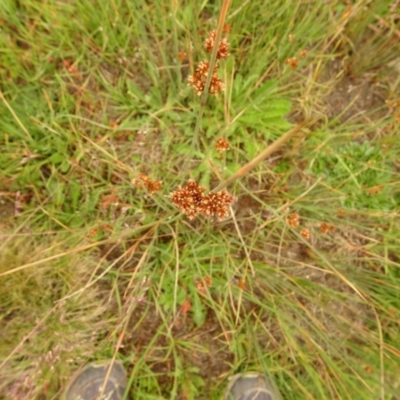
x=151, y=186
x=303, y=53
x=199, y=78
x=293, y=62
x=201, y=285
x=392, y=103
x=325, y=228
x=222, y=145
x=192, y=201
x=188, y=199
x=293, y=220
x=209, y=44
x=305, y=233
x=216, y=204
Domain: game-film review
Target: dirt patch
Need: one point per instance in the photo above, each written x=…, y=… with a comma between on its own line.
x=7, y=212
x=353, y=99
x=207, y=357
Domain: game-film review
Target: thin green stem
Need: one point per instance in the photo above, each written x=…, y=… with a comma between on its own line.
x=213, y=60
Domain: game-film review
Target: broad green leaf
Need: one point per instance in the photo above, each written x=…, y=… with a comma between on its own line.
x=56, y=158
x=198, y=309
x=134, y=90
x=264, y=91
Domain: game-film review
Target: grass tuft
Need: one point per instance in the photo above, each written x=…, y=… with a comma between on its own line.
x=298, y=278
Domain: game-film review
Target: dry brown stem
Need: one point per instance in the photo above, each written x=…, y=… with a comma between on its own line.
x=256, y=160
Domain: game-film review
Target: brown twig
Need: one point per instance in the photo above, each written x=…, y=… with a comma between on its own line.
x=264, y=154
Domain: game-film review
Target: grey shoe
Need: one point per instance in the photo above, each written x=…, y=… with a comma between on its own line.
x=87, y=384
x=251, y=386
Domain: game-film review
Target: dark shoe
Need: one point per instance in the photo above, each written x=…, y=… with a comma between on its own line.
x=251, y=386
x=87, y=384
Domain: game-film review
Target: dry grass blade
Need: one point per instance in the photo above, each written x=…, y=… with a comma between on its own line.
x=262, y=156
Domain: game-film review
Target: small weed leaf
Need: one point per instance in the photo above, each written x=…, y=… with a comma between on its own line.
x=264, y=91
x=262, y=108
x=135, y=91
x=167, y=299
x=198, y=310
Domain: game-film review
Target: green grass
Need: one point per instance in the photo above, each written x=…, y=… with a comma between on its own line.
x=91, y=267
